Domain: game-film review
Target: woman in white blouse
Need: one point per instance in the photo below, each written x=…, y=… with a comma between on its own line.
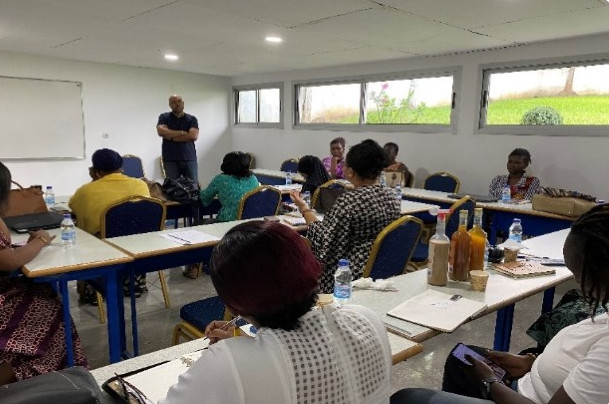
x=573, y=366
x=266, y=273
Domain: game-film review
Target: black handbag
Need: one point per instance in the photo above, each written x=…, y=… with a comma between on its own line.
x=73, y=385
x=181, y=190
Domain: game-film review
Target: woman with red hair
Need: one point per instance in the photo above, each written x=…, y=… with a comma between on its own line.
x=266, y=273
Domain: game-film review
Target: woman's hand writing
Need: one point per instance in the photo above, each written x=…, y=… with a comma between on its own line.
x=218, y=330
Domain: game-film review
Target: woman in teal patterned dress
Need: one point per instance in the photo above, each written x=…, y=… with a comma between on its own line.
x=229, y=187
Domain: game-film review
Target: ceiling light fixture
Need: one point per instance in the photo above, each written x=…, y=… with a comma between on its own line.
x=171, y=56
x=273, y=39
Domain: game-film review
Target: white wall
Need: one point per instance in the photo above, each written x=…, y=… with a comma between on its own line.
x=124, y=103
x=578, y=163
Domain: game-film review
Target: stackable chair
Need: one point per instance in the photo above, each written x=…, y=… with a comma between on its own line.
x=290, y=165
x=393, y=247
x=132, y=166
x=259, y=202
x=324, y=196
x=195, y=317
x=419, y=258
x=134, y=215
x=442, y=181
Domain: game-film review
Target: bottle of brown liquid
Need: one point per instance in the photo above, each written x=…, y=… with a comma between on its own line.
x=458, y=270
x=439, y=246
x=478, y=243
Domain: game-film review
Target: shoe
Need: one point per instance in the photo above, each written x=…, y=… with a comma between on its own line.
x=191, y=271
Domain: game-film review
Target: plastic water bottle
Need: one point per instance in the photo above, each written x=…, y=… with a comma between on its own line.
x=398, y=192
x=49, y=196
x=306, y=196
x=516, y=231
x=288, y=178
x=383, y=179
x=342, y=283
x=68, y=231
x=506, y=195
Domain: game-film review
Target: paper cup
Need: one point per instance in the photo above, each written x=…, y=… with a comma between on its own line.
x=509, y=255
x=324, y=298
x=478, y=280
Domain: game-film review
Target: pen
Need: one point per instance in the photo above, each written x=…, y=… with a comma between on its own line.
x=225, y=326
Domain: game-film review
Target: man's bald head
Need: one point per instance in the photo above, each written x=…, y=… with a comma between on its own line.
x=176, y=103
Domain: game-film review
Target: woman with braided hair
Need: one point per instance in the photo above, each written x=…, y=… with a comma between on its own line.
x=573, y=366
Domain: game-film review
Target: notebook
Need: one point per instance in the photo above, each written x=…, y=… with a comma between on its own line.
x=437, y=310
x=478, y=198
x=34, y=221
x=523, y=269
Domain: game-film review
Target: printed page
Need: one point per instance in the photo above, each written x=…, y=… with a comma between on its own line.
x=189, y=237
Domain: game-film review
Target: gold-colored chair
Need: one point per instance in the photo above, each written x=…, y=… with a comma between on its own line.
x=316, y=199
x=290, y=165
x=195, y=317
x=442, y=181
x=132, y=166
x=259, y=202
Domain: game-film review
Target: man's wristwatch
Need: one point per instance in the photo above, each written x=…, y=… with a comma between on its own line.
x=486, y=386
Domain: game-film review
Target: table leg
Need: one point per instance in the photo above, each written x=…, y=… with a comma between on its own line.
x=116, y=332
x=503, y=328
x=548, y=300
x=67, y=320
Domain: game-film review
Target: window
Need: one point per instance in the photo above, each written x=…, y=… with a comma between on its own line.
x=423, y=103
x=558, y=98
x=258, y=106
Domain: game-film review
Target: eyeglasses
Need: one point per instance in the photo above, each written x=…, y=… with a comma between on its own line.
x=130, y=393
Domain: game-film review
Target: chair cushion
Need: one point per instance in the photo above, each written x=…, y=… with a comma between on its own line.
x=203, y=312
x=420, y=253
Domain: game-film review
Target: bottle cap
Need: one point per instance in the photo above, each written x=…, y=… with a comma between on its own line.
x=516, y=220
x=343, y=262
x=67, y=216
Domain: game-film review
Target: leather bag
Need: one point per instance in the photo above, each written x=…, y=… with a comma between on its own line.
x=23, y=201
x=181, y=190
x=73, y=385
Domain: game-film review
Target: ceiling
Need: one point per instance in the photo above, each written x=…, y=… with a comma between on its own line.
x=226, y=37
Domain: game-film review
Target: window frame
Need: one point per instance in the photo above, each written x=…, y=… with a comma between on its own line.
x=484, y=73
x=257, y=88
x=454, y=71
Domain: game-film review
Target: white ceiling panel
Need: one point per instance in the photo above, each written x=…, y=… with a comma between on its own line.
x=479, y=13
x=226, y=37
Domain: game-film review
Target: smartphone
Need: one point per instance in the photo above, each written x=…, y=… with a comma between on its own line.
x=460, y=350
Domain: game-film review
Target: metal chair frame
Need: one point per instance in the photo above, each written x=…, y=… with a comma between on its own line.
x=443, y=174
x=327, y=184
x=262, y=188
x=134, y=157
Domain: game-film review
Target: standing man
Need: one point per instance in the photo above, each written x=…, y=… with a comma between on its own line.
x=179, y=131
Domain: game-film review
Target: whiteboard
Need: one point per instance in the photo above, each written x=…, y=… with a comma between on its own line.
x=41, y=119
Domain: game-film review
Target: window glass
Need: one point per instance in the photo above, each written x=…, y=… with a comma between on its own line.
x=270, y=105
x=410, y=101
x=246, y=110
x=329, y=104
x=561, y=95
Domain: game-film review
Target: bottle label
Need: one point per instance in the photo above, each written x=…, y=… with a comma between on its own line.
x=342, y=291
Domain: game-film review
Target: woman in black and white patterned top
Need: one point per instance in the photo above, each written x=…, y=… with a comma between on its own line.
x=357, y=217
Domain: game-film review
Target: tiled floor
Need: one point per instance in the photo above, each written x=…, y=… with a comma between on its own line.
x=156, y=325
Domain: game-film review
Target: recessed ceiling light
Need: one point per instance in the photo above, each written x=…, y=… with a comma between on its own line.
x=171, y=56
x=274, y=39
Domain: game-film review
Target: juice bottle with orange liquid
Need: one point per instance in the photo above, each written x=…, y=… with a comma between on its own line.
x=458, y=270
x=477, y=244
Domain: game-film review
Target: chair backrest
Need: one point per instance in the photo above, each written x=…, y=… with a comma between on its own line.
x=442, y=181
x=452, y=221
x=393, y=248
x=326, y=194
x=204, y=311
x=290, y=165
x=162, y=163
x=394, y=178
x=259, y=202
x=132, y=166
x=252, y=161
x=132, y=215
x=409, y=182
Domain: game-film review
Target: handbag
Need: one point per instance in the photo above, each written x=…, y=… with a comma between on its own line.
x=155, y=189
x=181, y=190
x=23, y=201
x=74, y=385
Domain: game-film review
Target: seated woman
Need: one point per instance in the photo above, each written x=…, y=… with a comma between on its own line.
x=573, y=366
x=396, y=166
x=229, y=187
x=314, y=173
x=356, y=218
x=32, y=334
x=334, y=162
x=522, y=186
x=265, y=273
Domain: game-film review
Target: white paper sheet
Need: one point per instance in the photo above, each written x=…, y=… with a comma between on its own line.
x=189, y=237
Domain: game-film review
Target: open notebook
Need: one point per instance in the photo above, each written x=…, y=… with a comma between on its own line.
x=438, y=310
